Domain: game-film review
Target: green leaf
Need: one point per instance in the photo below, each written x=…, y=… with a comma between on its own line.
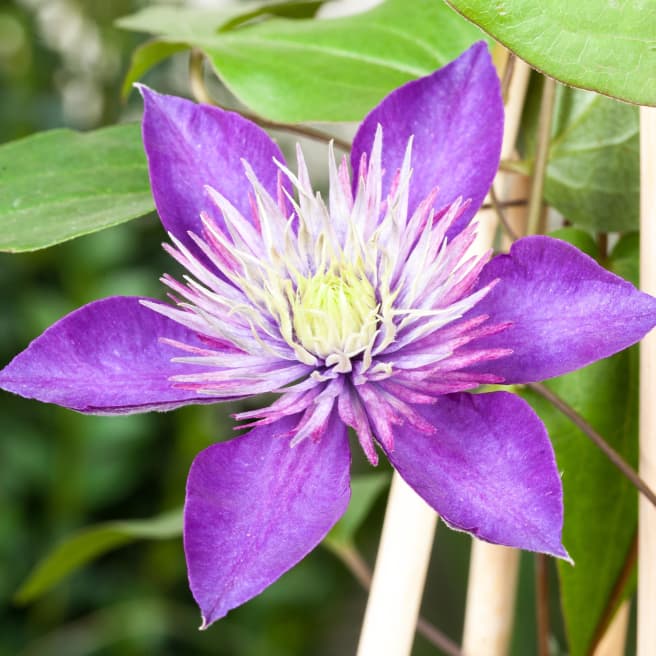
x=365, y=489
x=284, y=8
x=61, y=184
x=145, y=57
x=608, y=47
x=625, y=258
x=593, y=175
x=188, y=23
x=579, y=238
x=327, y=70
x=91, y=543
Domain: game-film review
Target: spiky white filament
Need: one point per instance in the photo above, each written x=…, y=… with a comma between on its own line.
x=309, y=292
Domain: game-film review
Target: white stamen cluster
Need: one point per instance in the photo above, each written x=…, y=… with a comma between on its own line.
x=315, y=288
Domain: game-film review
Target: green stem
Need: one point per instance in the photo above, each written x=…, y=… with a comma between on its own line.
x=508, y=71
x=541, y=156
x=197, y=77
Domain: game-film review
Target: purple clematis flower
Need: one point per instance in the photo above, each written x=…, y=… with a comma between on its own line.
x=367, y=311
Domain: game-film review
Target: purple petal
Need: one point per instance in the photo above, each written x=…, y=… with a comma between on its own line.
x=488, y=469
x=566, y=310
x=190, y=146
x=256, y=506
x=105, y=358
x=456, y=117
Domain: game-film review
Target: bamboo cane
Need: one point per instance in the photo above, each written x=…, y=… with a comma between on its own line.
x=398, y=581
x=647, y=513
x=613, y=642
x=493, y=570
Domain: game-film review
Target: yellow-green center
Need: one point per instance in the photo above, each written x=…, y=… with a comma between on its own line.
x=335, y=312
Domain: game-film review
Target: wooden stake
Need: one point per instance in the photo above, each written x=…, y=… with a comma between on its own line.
x=398, y=581
x=493, y=570
x=613, y=642
x=647, y=513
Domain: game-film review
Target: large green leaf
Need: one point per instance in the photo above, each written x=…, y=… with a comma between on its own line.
x=600, y=504
x=61, y=184
x=606, y=46
x=593, y=175
x=91, y=543
x=327, y=70
x=190, y=22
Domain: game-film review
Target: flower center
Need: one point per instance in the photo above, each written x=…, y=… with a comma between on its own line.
x=335, y=312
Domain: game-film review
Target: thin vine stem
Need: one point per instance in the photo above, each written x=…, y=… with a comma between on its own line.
x=508, y=71
x=517, y=202
x=501, y=215
x=357, y=565
x=513, y=166
x=542, y=603
x=541, y=156
x=201, y=94
x=301, y=130
x=617, y=592
x=598, y=440
x=197, y=77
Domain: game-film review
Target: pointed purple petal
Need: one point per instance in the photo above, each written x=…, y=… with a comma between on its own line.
x=190, y=146
x=256, y=506
x=456, y=117
x=105, y=358
x=489, y=469
x=566, y=310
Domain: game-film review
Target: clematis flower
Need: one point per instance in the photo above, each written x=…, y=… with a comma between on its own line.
x=365, y=311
